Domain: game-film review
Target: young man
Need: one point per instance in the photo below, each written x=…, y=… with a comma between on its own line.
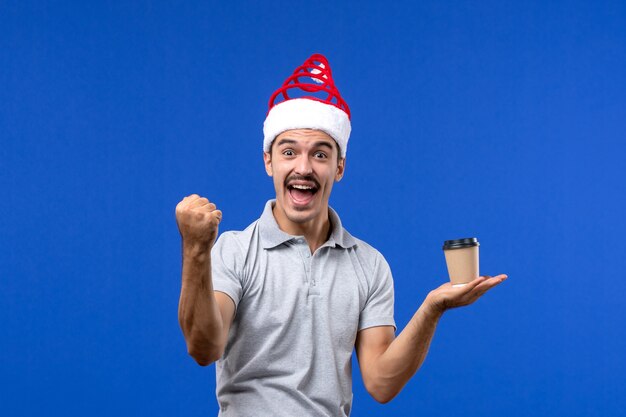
x=281, y=305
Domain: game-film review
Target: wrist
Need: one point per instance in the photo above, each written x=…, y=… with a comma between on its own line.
x=195, y=249
x=432, y=309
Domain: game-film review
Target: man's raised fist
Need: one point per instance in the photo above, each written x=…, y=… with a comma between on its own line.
x=198, y=220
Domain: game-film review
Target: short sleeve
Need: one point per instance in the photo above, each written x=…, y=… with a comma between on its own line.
x=226, y=263
x=378, y=310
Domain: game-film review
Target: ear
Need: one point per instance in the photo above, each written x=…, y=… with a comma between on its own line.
x=267, y=159
x=341, y=167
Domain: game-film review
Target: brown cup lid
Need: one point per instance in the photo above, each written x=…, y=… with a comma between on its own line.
x=466, y=242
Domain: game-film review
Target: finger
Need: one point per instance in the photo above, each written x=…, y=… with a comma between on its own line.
x=218, y=215
x=498, y=279
x=490, y=283
x=206, y=207
x=476, y=282
x=184, y=203
x=191, y=197
x=200, y=201
x=494, y=280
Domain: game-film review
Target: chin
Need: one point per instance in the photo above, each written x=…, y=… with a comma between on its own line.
x=300, y=215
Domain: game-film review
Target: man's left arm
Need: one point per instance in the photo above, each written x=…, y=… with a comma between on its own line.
x=388, y=362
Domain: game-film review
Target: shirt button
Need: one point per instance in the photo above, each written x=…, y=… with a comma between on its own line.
x=307, y=255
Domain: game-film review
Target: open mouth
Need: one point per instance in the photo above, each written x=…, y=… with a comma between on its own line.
x=302, y=193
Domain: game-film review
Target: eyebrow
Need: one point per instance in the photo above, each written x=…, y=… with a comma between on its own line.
x=315, y=145
x=286, y=141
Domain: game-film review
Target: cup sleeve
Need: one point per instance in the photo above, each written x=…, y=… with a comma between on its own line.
x=226, y=264
x=378, y=309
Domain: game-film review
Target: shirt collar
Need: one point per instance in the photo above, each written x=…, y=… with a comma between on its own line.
x=272, y=236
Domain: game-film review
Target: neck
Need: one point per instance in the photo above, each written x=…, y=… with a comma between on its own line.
x=316, y=231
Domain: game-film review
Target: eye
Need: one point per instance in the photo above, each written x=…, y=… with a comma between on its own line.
x=320, y=155
x=288, y=152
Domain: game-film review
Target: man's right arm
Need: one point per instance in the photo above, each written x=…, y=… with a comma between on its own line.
x=204, y=315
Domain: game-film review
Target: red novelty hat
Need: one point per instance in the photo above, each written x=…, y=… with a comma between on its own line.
x=318, y=106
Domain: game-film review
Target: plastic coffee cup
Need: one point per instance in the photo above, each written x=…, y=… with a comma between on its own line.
x=462, y=260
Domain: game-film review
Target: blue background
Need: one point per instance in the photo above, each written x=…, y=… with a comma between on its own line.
x=501, y=120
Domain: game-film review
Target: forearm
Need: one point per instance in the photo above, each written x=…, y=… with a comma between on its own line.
x=404, y=356
x=198, y=311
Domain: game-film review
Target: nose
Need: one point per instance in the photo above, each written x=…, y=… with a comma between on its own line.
x=303, y=165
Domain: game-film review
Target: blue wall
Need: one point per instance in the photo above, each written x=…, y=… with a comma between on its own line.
x=503, y=120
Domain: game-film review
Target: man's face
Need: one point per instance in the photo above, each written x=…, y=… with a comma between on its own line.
x=304, y=164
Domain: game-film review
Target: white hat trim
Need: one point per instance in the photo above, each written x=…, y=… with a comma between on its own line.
x=303, y=113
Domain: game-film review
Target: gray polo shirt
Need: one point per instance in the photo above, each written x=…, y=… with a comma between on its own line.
x=297, y=316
